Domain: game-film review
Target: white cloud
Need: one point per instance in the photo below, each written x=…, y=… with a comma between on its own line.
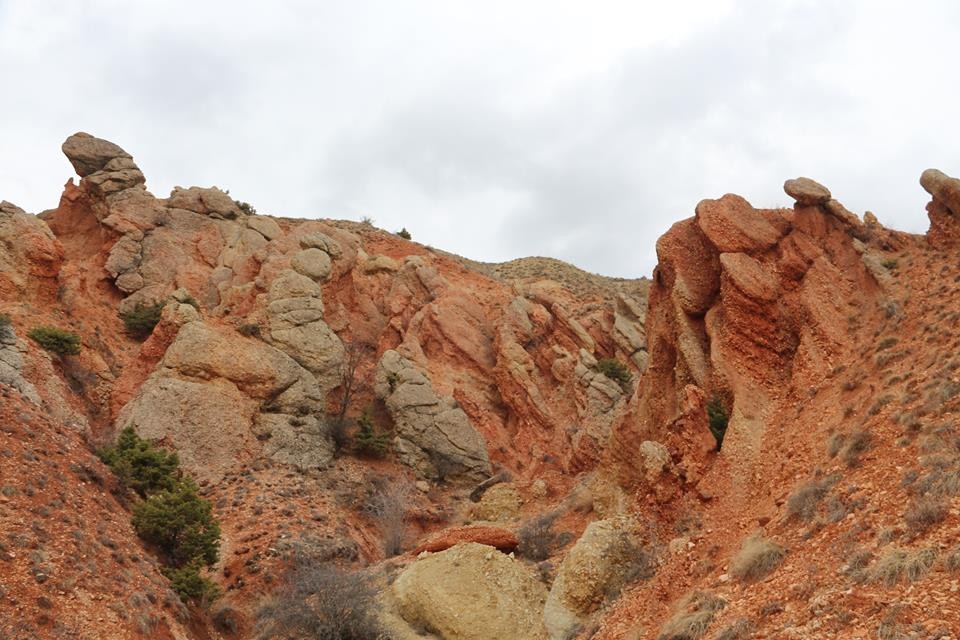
x=494, y=129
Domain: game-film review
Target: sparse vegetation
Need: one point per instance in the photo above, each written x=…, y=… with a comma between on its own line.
x=923, y=513
x=615, y=370
x=858, y=443
x=757, y=558
x=250, y=330
x=246, y=207
x=693, y=617
x=803, y=502
x=718, y=417
x=537, y=538
x=889, y=263
x=317, y=600
x=388, y=506
x=5, y=322
x=369, y=440
x=141, y=319
x=897, y=564
x=59, y=341
x=139, y=465
x=351, y=379
x=403, y=233
x=741, y=629
x=171, y=515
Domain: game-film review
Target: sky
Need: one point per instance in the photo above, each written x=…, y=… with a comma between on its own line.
x=494, y=129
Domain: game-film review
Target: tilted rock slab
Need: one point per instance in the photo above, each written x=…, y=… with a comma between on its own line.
x=431, y=430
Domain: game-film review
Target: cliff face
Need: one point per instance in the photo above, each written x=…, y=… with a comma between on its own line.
x=820, y=335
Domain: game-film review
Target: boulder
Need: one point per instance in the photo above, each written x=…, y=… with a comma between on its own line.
x=601, y=562
x=942, y=187
x=295, y=316
x=471, y=592
x=265, y=226
x=499, y=503
x=733, y=225
x=205, y=201
x=434, y=435
x=806, y=191
x=313, y=263
x=102, y=164
x=323, y=242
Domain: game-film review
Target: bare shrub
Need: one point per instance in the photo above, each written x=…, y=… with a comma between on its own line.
x=923, y=513
x=803, y=502
x=835, y=444
x=858, y=443
x=388, y=506
x=318, y=600
x=951, y=561
x=757, y=558
x=537, y=537
x=350, y=379
x=897, y=564
x=693, y=617
x=741, y=629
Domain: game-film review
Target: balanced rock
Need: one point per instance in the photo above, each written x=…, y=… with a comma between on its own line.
x=806, y=191
x=102, y=164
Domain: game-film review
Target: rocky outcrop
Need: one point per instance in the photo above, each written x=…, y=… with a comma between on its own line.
x=593, y=571
x=104, y=166
x=434, y=435
x=11, y=363
x=216, y=397
x=31, y=256
x=295, y=316
x=943, y=209
x=471, y=592
x=743, y=301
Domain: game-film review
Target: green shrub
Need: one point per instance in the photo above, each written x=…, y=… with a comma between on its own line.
x=717, y=417
x=187, y=582
x=615, y=370
x=141, y=319
x=369, y=441
x=141, y=466
x=180, y=523
x=246, y=207
x=56, y=340
x=403, y=233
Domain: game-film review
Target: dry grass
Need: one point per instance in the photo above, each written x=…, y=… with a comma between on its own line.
x=951, y=561
x=923, y=513
x=693, y=617
x=804, y=500
x=858, y=443
x=757, y=558
x=741, y=629
x=898, y=564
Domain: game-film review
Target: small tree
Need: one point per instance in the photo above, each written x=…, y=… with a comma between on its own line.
x=141, y=466
x=355, y=354
x=368, y=441
x=180, y=523
x=403, y=233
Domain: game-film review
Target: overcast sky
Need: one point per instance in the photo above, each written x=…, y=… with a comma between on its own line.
x=492, y=129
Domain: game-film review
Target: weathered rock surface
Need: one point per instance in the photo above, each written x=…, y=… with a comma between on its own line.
x=806, y=191
x=944, y=209
x=432, y=431
x=471, y=592
x=594, y=569
x=104, y=165
x=497, y=537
